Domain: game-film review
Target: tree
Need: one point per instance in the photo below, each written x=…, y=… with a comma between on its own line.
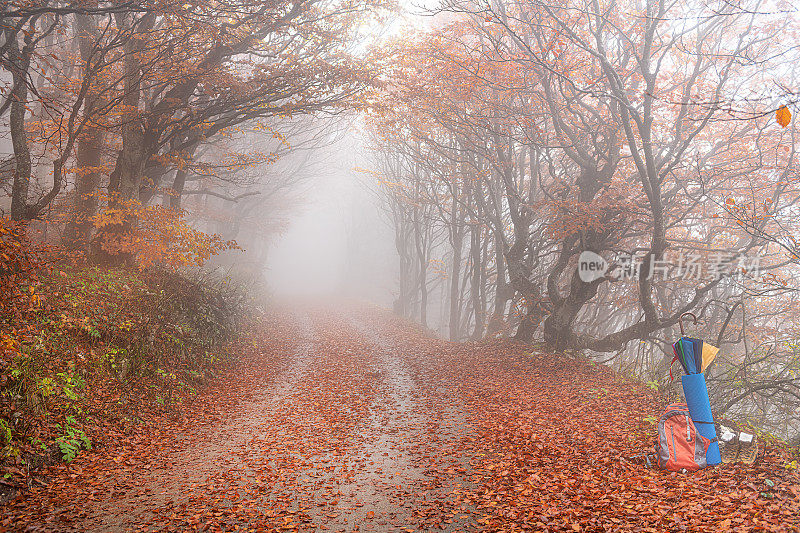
x=152, y=83
x=593, y=123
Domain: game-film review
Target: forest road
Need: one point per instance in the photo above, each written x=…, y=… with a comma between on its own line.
x=347, y=418
x=346, y=437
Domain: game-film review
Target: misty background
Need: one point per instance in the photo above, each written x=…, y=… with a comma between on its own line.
x=338, y=242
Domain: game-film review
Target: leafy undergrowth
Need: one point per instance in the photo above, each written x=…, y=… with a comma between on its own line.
x=89, y=355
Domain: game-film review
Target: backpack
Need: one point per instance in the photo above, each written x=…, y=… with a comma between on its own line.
x=679, y=444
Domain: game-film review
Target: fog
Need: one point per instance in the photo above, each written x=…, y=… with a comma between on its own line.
x=337, y=243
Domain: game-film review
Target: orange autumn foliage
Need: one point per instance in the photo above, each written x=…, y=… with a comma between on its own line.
x=783, y=116
x=613, y=210
x=160, y=236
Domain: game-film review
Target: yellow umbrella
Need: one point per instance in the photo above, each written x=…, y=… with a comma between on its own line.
x=709, y=353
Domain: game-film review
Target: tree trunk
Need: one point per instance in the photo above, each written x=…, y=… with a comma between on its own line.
x=177, y=187
x=126, y=178
x=88, y=159
x=503, y=292
x=422, y=281
x=455, y=277
x=478, y=309
x=19, y=139
x=457, y=236
x=558, y=334
x=403, y=302
x=530, y=322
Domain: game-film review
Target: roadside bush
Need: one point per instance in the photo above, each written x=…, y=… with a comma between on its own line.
x=88, y=351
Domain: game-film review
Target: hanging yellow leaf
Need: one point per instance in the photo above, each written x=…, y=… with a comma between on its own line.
x=783, y=116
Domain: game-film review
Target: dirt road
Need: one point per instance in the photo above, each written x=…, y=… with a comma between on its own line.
x=354, y=420
x=339, y=434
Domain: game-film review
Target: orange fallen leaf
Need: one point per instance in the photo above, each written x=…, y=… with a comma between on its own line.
x=783, y=116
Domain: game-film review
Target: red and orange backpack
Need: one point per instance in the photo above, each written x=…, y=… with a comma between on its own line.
x=679, y=444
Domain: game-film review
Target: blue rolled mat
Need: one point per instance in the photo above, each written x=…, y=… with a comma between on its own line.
x=696, y=393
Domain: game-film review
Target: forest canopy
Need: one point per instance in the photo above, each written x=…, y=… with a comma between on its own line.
x=515, y=146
